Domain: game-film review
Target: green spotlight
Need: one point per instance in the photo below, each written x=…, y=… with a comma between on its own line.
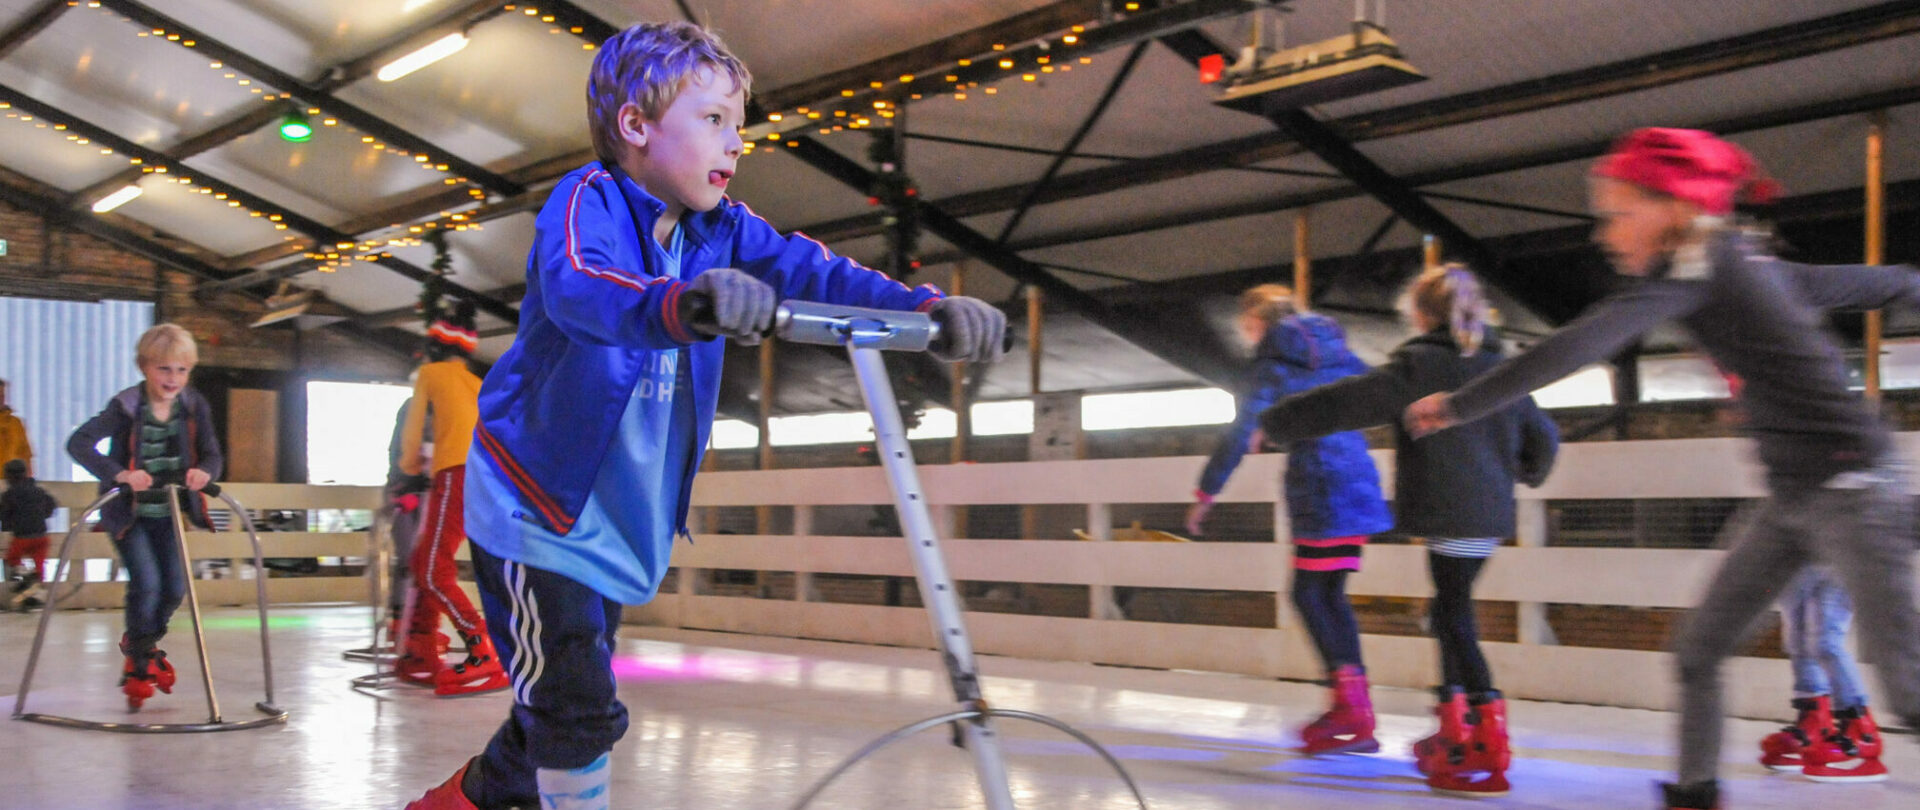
x=295, y=128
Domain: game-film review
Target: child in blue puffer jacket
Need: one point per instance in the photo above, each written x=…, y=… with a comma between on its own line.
x=1333, y=498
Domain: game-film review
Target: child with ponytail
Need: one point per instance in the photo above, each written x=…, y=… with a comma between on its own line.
x=1453, y=491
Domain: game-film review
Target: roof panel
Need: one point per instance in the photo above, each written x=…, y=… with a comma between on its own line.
x=183, y=210
x=332, y=177
x=514, y=96
x=302, y=37
x=109, y=72
x=38, y=150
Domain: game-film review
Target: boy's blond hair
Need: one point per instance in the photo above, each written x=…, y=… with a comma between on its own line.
x=167, y=341
x=647, y=65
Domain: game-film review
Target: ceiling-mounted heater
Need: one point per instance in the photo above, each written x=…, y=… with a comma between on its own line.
x=1263, y=78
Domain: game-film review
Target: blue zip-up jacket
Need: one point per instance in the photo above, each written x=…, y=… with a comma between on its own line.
x=1332, y=487
x=596, y=310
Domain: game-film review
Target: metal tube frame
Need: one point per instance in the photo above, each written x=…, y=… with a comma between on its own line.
x=864, y=334
x=272, y=714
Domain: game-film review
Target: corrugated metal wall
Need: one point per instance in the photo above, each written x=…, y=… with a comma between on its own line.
x=62, y=360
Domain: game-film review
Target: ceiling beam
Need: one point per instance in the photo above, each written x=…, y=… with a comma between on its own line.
x=1177, y=344
x=35, y=22
x=312, y=229
x=1754, y=49
x=315, y=96
x=1853, y=105
x=1532, y=246
x=1039, y=22
x=333, y=78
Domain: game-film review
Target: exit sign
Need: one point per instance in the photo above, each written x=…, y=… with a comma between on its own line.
x=3, y=247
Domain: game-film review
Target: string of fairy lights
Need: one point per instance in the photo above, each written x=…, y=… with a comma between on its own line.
x=854, y=109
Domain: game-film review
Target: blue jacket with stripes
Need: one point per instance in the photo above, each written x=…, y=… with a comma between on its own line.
x=596, y=311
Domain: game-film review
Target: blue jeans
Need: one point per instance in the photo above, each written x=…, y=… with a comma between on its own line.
x=1815, y=613
x=156, y=580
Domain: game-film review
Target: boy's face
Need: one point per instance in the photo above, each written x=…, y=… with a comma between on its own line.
x=687, y=157
x=1636, y=228
x=165, y=378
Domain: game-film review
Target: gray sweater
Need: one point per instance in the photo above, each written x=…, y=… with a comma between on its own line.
x=1761, y=319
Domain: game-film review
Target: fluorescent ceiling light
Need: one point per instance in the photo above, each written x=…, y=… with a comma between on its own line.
x=433, y=52
x=116, y=199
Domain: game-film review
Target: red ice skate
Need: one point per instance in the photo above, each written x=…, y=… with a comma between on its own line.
x=1850, y=752
x=1482, y=770
x=1347, y=728
x=419, y=662
x=481, y=671
x=447, y=795
x=1783, y=749
x=1450, y=742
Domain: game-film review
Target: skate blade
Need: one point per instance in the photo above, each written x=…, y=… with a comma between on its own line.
x=1493, y=787
x=1368, y=746
x=1783, y=768
x=1843, y=778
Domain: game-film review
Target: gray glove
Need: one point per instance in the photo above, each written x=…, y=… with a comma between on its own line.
x=970, y=329
x=729, y=303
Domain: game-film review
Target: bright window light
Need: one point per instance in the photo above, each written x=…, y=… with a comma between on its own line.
x=733, y=434
x=1587, y=387
x=1192, y=406
x=1005, y=418
x=433, y=52
x=348, y=427
x=116, y=199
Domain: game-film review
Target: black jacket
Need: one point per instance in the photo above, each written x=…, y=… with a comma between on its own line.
x=118, y=423
x=1456, y=483
x=25, y=507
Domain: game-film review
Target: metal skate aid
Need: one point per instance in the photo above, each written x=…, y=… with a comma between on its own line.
x=379, y=561
x=271, y=713
x=865, y=332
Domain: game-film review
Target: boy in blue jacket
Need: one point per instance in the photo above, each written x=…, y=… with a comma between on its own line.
x=593, y=423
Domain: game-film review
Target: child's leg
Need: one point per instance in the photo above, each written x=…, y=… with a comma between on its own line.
x=1766, y=553
x=1829, y=614
x=137, y=549
x=1867, y=537
x=1454, y=626
x=1800, y=634
x=173, y=571
x=565, y=715
x=38, y=548
x=1321, y=598
x=441, y=532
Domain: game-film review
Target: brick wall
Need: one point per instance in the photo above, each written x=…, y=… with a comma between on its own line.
x=39, y=252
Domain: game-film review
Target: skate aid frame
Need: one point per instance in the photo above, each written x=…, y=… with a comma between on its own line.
x=271, y=714
x=865, y=332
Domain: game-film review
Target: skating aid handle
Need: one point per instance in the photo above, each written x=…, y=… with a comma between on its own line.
x=837, y=325
x=211, y=490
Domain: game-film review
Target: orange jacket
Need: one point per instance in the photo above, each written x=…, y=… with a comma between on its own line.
x=451, y=393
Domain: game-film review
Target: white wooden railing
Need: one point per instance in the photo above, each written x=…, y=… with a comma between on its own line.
x=233, y=545
x=1532, y=575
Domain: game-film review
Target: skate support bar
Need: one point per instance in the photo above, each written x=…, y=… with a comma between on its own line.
x=864, y=332
x=837, y=325
x=271, y=714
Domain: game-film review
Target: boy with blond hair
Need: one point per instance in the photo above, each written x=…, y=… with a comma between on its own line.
x=593, y=423
x=159, y=432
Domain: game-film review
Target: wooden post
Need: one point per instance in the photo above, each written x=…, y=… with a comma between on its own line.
x=763, y=515
x=1035, y=308
x=1430, y=251
x=1302, y=263
x=1876, y=241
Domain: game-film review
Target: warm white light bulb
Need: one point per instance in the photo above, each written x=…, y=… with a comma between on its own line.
x=433, y=52
x=116, y=199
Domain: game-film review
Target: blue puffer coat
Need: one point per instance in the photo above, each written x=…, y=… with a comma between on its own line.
x=1332, y=487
